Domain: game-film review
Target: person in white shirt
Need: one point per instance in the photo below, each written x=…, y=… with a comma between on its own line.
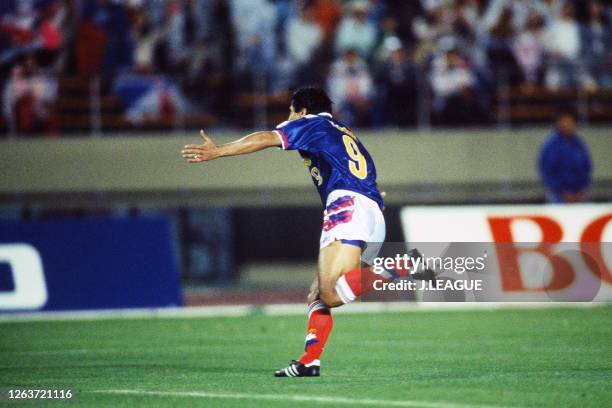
x=356, y=32
x=562, y=43
x=351, y=87
x=528, y=50
x=302, y=38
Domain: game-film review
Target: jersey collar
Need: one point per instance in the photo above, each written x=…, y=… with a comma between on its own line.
x=324, y=114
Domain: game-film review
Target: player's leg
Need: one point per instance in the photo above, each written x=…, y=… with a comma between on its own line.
x=313, y=293
x=320, y=323
x=340, y=279
x=335, y=260
x=353, y=283
x=353, y=223
x=345, y=274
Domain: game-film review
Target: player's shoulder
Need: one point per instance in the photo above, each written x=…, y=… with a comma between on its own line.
x=304, y=122
x=338, y=126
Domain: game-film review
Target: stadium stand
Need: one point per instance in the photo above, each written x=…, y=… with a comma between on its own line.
x=190, y=64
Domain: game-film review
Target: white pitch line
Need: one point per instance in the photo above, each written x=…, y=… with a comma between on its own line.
x=290, y=309
x=297, y=398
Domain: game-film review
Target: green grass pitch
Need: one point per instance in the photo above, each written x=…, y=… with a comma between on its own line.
x=504, y=358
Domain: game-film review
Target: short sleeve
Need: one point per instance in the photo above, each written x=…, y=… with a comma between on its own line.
x=300, y=134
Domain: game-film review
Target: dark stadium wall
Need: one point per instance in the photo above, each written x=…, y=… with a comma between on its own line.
x=289, y=234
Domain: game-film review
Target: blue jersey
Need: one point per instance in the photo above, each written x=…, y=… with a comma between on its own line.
x=335, y=158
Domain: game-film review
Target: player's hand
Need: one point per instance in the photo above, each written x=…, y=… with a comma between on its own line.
x=200, y=153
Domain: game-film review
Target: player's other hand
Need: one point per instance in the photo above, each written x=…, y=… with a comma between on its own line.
x=200, y=153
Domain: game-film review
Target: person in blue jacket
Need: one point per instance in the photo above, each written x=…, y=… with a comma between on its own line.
x=565, y=162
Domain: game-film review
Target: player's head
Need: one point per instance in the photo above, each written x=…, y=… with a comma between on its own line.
x=566, y=121
x=309, y=101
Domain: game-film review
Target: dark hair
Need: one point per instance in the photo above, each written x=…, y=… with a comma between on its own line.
x=315, y=100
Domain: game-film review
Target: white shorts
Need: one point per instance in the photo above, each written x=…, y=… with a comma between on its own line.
x=353, y=217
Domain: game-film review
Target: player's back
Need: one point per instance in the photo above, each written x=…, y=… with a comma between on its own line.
x=335, y=157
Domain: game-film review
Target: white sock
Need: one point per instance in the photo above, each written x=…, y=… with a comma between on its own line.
x=344, y=291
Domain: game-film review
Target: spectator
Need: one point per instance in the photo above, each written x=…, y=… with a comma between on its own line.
x=34, y=29
x=502, y=63
x=253, y=21
x=565, y=163
x=376, y=12
x=387, y=40
x=90, y=44
x=303, y=38
x=396, y=84
x=596, y=45
x=549, y=9
x=177, y=38
x=466, y=20
x=108, y=26
x=356, y=32
x=351, y=89
x=455, y=87
x=209, y=33
x=150, y=99
x=51, y=36
x=18, y=29
x=215, y=52
x=519, y=12
x=146, y=36
x=430, y=29
x=285, y=11
x=327, y=14
x=29, y=99
x=562, y=40
x=528, y=50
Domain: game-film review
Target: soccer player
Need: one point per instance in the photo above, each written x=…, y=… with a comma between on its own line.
x=353, y=224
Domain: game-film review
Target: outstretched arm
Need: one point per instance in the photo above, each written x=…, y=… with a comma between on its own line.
x=209, y=150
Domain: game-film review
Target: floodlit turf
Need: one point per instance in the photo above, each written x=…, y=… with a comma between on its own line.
x=516, y=358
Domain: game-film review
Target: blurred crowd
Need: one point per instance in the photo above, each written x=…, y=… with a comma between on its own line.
x=375, y=57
